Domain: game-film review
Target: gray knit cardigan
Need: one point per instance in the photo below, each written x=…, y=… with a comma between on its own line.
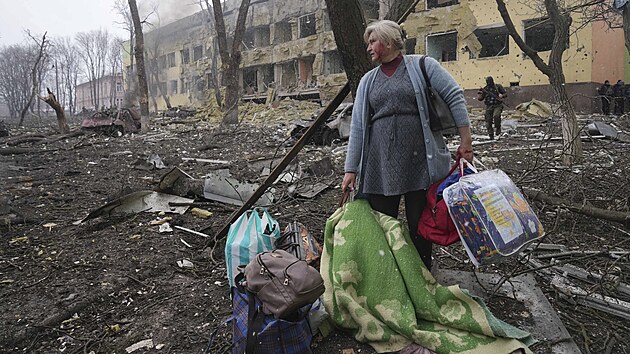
x=438, y=156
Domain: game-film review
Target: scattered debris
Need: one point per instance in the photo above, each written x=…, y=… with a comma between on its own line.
x=140, y=201
x=113, y=121
x=608, y=131
x=145, y=344
x=184, y=263
x=191, y=231
x=165, y=228
x=221, y=162
x=535, y=108
x=216, y=186
x=202, y=213
x=180, y=112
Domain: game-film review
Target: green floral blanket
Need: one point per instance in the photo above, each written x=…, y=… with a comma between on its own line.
x=378, y=288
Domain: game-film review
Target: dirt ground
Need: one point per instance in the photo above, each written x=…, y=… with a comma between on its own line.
x=101, y=286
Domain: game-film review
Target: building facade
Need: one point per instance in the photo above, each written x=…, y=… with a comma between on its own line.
x=288, y=50
x=471, y=40
x=109, y=91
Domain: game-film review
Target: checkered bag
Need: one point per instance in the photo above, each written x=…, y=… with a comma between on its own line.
x=253, y=332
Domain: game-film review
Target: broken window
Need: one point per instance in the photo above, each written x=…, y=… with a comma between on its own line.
x=250, y=78
x=172, y=87
x=306, y=71
x=162, y=62
x=185, y=54
x=494, y=41
x=182, y=85
x=332, y=63
x=443, y=46
x=261, y=36
x=288, y=75
x=410, y=46
x=197, y=52
x=539, y=34
x=248, y=39
x=200, y=84
x=119, y=87
x=307, y=25
x=281, y=32
x=256, y=37
x=432, y=4
x=170, y=59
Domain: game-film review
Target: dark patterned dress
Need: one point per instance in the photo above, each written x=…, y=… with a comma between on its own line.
x=396, y=155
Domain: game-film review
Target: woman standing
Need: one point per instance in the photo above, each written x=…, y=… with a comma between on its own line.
x=392, y=148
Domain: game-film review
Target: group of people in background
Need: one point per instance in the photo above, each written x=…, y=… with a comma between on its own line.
x=614, y=96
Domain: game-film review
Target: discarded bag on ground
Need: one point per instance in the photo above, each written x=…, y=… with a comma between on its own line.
x=435, y=222
x=298, y=241
x=282, y=282
x=255, y=231
x=491, y=215
x=255, y=332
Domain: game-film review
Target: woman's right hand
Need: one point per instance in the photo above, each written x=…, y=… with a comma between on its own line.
x=349, y=181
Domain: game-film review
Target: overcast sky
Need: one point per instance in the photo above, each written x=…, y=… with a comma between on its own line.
x=67, y=17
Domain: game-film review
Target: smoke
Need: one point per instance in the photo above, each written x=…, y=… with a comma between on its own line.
x=166, y=11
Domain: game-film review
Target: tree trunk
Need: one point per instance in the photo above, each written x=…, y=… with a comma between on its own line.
x=142, y=77
x=400, y=9
x=348, y=25
x=62, y=122
x=626, y=25
x=214, y=72
x=231, y=60
x=572, y=149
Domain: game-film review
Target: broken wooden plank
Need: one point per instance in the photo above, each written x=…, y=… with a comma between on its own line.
x=582, y=274
x=308, y=134
x=597, y=301
x=221, y=162
x=192, y=231
x=614, y=254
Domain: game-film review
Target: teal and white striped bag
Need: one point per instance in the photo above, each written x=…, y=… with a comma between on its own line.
x=255, y=231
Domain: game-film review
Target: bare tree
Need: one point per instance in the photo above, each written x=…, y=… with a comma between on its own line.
x=36, y=73
x=67, y=58
x=230, y=58
x=561, y=19
x=139, y=54
x=114, y=59
x=94, y=49
x=16, y=64
x=214, y=71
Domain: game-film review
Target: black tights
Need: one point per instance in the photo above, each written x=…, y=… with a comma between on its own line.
x=414, y=204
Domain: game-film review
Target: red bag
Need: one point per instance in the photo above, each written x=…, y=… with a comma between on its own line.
x=435, y=222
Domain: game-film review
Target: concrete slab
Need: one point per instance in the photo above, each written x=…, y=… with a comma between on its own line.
x=547, y=328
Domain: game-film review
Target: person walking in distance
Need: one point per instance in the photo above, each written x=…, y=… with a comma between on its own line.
x=619, y=93
x=605, y=94
x=392, y=151
x=492, y=96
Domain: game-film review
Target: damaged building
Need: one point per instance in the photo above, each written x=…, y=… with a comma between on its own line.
x=472, y=42
x=288, y=50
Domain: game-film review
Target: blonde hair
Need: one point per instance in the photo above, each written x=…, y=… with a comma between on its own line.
x=387, y=31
